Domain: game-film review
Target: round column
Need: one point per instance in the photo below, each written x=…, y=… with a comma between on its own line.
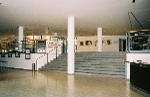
x=99, y=36
x=71, y=31
x=20, y=37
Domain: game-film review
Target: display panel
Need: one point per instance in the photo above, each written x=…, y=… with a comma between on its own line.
x=138, y=41
x=2, y=54
x=9, y=54
x=27, y=54
x=17, y=54
x=41, y=46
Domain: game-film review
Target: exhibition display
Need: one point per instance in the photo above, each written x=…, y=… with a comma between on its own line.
x=138, y=41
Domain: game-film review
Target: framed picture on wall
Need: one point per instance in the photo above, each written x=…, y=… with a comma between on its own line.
x=9, y=54
x=88, y=42
x=3, y=54
x=27, y=51
x=96, y=43
x=108, y=42
x=27, y=54
x=17, y=54
x=81, y=43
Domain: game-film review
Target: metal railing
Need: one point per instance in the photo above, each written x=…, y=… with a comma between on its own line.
x=46, y=54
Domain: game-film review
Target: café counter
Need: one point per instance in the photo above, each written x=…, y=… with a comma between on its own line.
x=140, y=76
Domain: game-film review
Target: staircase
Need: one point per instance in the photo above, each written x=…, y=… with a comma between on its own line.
x=109, y=64
x=59, y=64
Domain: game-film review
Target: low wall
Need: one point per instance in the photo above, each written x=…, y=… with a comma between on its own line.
x=19, y=62
x=22, y=63
x=133, y=57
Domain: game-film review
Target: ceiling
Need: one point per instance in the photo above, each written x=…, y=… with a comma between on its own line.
x=50, y=16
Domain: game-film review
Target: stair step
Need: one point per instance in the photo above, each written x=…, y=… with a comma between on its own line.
x=97, y=63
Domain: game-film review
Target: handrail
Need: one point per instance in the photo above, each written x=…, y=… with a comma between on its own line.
x=48, y=52
x=55, y=48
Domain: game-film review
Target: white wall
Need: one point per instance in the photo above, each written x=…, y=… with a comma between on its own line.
x=133, y=57
x=113, y=47
x=84, y=47
x=22, y=63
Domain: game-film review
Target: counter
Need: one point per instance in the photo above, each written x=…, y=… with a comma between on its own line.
x=140, y=76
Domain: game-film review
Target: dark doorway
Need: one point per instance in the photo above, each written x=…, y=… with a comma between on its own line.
x=122, y=44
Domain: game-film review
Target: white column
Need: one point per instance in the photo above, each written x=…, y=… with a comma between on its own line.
x=127, y=70
x=99, y=36
x=70, y=86
x=20, y=37
x=71, y=31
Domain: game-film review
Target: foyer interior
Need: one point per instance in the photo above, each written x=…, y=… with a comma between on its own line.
x=49, y=18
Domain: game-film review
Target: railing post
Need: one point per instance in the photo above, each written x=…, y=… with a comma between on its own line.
x=56, y=52
x=36, y=64
x=66, y=45
x=33, y=67
x=47, y=58
x=63, y=47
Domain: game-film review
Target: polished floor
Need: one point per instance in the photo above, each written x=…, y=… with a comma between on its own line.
x=19, y=83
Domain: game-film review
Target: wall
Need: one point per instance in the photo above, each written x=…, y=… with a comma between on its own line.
x=20, y=62
x=23, y=63
x=109, y=43
x=114, y=46
x=133, y=57
x=83, y=47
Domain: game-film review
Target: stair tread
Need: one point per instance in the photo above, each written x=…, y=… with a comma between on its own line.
x=103, y=63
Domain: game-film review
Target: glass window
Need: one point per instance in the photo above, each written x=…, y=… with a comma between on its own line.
x=138, y=41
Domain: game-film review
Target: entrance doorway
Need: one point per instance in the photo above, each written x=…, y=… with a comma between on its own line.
x=122, y=44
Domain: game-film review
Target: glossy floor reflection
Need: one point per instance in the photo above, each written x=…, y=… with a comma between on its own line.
x=18, y=83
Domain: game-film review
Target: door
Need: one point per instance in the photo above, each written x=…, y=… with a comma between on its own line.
x=122, y=44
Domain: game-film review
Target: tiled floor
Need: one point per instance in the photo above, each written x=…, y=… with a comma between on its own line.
x=17, y=83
